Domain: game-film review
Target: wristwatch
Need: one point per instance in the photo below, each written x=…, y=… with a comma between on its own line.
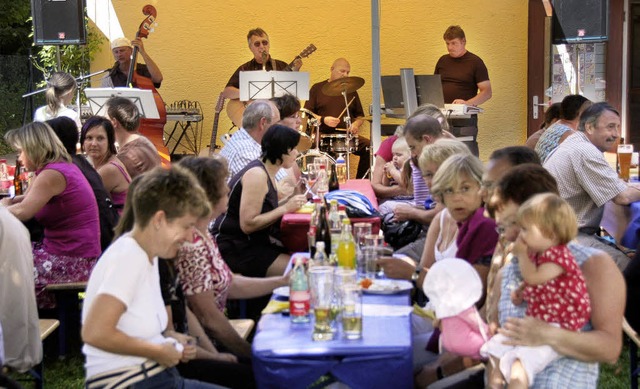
x=415, y=275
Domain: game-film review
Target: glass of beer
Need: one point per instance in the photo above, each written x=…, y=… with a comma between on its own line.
x=321, y=288
x=624, y=161
x=351, y=311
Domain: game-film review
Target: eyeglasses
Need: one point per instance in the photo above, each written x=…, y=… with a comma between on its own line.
x=464, y=191
x=294, y=116
x=263, y=42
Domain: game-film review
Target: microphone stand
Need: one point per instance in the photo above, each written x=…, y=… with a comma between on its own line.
x=347, y=121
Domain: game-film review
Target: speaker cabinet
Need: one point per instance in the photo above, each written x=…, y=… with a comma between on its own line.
x=58, y=22
x=576, y=21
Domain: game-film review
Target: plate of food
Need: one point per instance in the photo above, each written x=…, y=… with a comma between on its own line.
x=385, y=286
x=281, y=293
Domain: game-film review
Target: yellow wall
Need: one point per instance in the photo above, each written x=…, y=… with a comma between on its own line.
x=198, y=45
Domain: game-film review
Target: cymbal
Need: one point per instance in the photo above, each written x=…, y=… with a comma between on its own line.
x=346, y=84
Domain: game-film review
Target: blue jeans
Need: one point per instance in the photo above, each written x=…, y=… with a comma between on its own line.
x=170, y=378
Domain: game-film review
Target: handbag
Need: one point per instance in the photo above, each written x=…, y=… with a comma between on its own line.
x=399, y=234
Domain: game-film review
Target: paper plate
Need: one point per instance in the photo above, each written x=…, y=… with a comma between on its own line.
x=388, y=287
x=282, y=293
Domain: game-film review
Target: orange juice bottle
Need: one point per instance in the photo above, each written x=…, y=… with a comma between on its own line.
x=347, y=247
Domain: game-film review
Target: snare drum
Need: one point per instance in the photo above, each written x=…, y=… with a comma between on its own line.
x=307, y=129
x=337, y=143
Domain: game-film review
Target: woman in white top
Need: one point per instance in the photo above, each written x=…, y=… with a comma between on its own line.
x=124, y=317
x=61, y=88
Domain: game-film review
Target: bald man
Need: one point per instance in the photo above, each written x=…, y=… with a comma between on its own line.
x=331, y=108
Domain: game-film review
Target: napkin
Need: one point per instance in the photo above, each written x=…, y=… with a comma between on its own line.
x=385, y=310
x=275, y=306
x=424, y=312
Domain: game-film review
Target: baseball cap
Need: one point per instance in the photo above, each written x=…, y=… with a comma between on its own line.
x=120, y=42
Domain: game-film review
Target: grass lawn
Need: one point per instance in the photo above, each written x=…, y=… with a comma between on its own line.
x=68, y=373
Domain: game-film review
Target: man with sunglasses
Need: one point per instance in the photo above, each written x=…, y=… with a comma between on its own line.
x=259, y=45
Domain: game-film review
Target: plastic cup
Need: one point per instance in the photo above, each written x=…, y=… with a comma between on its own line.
x=351, y=296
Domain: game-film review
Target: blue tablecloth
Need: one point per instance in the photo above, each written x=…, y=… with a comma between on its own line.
x=630, y=238
x=284, y=356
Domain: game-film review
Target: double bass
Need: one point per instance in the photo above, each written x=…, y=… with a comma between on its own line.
x=151, y=128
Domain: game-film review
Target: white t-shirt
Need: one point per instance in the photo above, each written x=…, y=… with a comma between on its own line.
x=42, y=115
x=125, y=272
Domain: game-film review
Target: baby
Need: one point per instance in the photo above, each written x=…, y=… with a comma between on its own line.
x=398, y=172
x=554, y=288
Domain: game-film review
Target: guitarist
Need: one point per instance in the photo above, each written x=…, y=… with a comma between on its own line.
x=122, y=48
x=259, y=45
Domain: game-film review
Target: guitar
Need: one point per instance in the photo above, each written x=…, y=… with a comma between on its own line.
x=151, y=128
x=235, y=107
x=211, y=149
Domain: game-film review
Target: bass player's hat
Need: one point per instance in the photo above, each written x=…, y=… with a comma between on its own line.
x=120, y=42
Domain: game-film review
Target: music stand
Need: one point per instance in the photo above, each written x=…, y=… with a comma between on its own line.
x=142, y=98
x=259, y=84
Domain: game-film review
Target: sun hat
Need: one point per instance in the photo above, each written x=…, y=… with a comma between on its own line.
x=120, y=42
x=452, y=286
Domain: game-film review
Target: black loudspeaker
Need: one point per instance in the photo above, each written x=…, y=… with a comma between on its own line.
x=576, y=21
x=58, y=22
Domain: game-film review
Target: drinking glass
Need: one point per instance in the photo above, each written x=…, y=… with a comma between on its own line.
x=624, y=161
x=372, y=245
x=321, y=287
x=360, y=230
x=351, y=296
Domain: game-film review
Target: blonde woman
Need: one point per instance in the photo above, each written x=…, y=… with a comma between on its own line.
x=61, y=88
x=62, y=201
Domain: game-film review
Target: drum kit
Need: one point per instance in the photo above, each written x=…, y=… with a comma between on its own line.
x=330, y=146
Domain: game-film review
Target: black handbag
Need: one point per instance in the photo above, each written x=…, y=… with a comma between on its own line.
x=399, y=234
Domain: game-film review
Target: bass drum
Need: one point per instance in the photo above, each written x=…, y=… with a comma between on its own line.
x=307, y=158
x=309, y=124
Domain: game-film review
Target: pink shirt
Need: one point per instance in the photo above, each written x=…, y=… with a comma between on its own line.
x=70, y=219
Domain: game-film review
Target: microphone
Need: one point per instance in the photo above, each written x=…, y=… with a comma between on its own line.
x=264, y=61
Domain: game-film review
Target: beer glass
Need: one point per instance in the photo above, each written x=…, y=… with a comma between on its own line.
x=321, y=287
x=624, y=161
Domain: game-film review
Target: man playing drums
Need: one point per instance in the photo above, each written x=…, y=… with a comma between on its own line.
x=331, y=107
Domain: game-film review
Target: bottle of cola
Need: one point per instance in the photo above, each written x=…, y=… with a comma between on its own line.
x=323, y=231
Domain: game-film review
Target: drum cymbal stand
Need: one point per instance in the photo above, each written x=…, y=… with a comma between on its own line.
x=347, y=121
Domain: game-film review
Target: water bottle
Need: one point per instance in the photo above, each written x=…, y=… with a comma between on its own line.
x=299, y=296
x=341, y=170
x=320, y=258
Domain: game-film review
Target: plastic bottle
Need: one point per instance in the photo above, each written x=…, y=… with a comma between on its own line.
x=342, y=212
x=17, y=178
x=299, y=296
x=341, y=170
x=347, y=247
x=320, y=258
x=335, y=225
x=322, y=186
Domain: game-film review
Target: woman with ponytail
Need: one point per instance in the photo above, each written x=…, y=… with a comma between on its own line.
x=61, y=88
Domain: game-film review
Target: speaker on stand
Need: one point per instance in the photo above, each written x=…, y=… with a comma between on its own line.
x=580, y=21
x=59, y=22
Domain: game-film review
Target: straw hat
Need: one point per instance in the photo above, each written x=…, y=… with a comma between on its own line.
x=120, y=42
x=452, y=286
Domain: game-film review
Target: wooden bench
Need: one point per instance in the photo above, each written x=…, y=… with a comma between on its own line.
x=242, y=326
x=67, y=308
x=634, y=343
x=47, y=326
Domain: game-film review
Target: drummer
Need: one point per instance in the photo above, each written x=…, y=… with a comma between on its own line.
x=328, y=102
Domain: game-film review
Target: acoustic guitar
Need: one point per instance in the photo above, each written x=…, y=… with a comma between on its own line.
x=235, y=107
x=153, y=129
x=211, y=149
